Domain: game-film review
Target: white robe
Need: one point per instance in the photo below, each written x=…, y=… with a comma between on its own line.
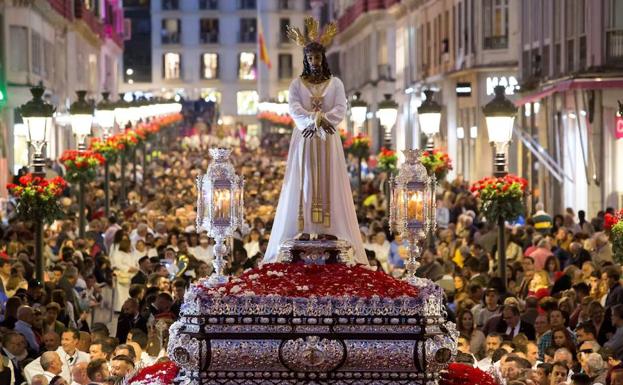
x=343, y=217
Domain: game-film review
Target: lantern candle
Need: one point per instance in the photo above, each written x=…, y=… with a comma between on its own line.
x=415, y=207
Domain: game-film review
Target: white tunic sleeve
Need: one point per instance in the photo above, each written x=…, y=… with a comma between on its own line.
x=299, y=114
x=336, y=114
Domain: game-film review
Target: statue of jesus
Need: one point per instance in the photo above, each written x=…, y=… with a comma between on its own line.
x=316, y=199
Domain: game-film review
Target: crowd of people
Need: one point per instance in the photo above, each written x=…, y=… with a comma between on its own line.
x=106, y=302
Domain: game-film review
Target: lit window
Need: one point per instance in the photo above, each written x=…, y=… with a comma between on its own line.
x=171, y=65
x=247, y=102
x=209, y=66
x=246, y=66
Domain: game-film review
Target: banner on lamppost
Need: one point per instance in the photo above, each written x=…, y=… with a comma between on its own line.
x=618, y=127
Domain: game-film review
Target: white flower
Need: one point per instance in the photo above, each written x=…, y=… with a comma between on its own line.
x=275, y=273
x=235, y=289
x=302, y=288
x=254, y=276
x=248, y=293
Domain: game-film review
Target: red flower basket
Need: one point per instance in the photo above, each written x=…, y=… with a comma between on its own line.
x=81, y=165
x=387, y=160
x=501, y=197
x=437, y=162
x=38, y=197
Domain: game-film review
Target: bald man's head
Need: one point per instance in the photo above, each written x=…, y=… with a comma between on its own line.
x=79, y=373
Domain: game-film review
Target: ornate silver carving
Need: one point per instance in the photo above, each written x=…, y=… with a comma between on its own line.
x=315, y=252
x=312, y=354
x=373, y=355
x=245, y=355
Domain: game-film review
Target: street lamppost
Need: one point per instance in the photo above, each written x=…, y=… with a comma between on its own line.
x=122, y=119
x=387, y=114
x=37, y=115
x=500, y=117
x=429, y=114
x=105, y=117
x=81, y=120
x=358, y=113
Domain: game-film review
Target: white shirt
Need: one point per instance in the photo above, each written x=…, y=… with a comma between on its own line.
x=69, y=361
x=204, y=254
x=514, y=331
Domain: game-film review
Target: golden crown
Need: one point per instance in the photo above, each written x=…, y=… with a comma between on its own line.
x=312, y=26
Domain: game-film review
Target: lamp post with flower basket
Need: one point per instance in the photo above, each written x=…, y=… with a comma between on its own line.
x=220, y=207
x=411, y=212
x=122, y=111
x=105, y=117
x=429, y=114
x=81, y=120
x=500, y=116
x=37, y=196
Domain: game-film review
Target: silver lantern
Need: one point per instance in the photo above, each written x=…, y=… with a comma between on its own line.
x=220, y=207
x=412, y=209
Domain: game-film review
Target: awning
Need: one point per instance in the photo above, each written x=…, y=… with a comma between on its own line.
x=596, y=83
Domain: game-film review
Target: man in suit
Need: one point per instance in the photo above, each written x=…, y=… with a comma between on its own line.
x=14, y=349
x=130, y=318
x=144, y=268
x=510, y=324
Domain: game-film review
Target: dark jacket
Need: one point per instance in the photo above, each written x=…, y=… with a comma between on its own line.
x=139, y=278
x=524, y=328
x=126, y=323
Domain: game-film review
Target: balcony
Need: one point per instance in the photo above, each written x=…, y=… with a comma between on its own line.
x=82, y=13
x=208, y=37
x=496, y=42
x=171, y=38
x=614, y=47
x=63, y=7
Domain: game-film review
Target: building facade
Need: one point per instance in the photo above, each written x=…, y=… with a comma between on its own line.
x=208, y=49
x=65, y=45
x=570, y=67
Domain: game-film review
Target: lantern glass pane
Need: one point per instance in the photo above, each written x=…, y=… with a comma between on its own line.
x=500, y=128
x=429, y=123
x=221, y=204
x=415, y=206
x=358, y=114
x=36, y=127
x=81, y=124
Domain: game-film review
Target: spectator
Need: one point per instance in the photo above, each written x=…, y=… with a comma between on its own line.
x=25, y=319
x=121, y=365
x=97, y=371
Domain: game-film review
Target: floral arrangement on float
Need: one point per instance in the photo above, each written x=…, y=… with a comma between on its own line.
x=38, y=197
x=276, y=119
x=81, y=165
x=437, y=162
x=161, y=373
x=387, y=161
x=462, y=374
x=358, y=145
x=306, y=281
x=108, y=148
x=501, y=197
x=614, y=225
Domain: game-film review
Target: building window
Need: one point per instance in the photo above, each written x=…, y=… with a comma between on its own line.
x=171, y=65
x=248, y=30
x=285, y=66
x=19, y=55
x=247, y=102
x=246, y=4
x=208, y=31
x=170, y=4
x=286, y=4
x=283, y=29
x=208, y=4
x=171, y=31
x=36, y=53
x=496, y=24
x=246, y=66
x=209, y=66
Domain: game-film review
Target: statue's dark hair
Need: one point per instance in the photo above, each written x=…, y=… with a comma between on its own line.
x=315, y=47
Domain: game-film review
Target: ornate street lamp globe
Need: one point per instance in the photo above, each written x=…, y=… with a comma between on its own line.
x=358, y=109
x=429, y=114
x=500, y=116
x=105, y=113
x=81, y=117
x=388, y=112
x=37, y=115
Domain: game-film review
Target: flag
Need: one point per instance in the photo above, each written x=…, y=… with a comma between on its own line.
x=263, y=51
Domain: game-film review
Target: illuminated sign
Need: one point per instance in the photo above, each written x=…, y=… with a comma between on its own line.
x=618, y=127
x=463, y=89
x=510, y=82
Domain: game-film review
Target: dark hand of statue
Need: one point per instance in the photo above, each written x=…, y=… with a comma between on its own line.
x=309, y=131
x=327, y=127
